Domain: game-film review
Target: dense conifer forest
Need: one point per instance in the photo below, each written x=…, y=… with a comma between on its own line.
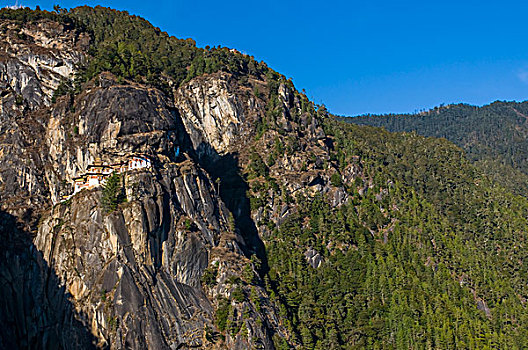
x=494, y=137
x=431, y=257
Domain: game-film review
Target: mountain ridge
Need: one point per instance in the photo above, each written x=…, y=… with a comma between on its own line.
x=493, y=136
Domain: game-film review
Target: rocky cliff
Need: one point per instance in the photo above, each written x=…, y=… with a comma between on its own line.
x=130, y=278
x=134, y=277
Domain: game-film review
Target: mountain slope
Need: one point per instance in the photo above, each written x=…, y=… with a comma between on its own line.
x=493, y=136
x=264, y=221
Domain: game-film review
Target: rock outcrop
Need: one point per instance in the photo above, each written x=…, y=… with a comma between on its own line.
x=136, y=273
x=37, y=57
x=35, y=310
x=179, y=263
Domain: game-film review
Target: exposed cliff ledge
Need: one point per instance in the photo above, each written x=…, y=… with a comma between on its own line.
x=106, y=121
x=35, y=58
x=134, y=274
x=123, y=268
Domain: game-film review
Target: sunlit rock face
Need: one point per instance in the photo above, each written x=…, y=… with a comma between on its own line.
x=36, y=58
x=130, y=278
x=144, y=261
x=182, y=243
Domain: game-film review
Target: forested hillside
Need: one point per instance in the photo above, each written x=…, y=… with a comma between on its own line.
x=495, y=136
x=264, y=222
x=426, y=254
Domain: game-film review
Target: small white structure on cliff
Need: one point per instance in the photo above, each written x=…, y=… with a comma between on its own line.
x=97, y=173
x=138, y=162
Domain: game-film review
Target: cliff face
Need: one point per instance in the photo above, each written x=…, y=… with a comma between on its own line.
x=216, y=114
x=132, y=277
x=34, y=59
x=35, y=310
x=179, y=262
x=37, y=57
x=136, y=272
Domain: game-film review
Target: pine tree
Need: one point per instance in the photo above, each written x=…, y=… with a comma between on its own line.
x=112, y=193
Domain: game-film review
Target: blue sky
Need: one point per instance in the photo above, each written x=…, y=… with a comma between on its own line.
x=361, y=57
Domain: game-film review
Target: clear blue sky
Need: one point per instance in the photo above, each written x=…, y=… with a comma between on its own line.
x=362, y=56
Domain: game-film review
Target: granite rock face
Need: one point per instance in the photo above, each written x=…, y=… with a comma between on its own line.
x=136, y=272
x=130, y=278
x=178, y=263
x=36, y=58
x=218, y=114
x=35, y=311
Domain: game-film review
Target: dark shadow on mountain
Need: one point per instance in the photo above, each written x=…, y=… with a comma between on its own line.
x=233, y=187
x=35, y=311
x=225, y=172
